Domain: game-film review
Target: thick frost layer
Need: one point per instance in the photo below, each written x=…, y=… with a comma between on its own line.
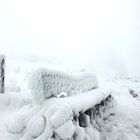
x=36, y=126
x=20, y=119
x=82, y=102
x=63, y=114
x=14, y=100
x=2, y=69
x=92, y=133
x=66, y=131
x=56, y=118
x=49, y=83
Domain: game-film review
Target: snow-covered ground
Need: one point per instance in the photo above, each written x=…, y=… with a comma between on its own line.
x=123, y=125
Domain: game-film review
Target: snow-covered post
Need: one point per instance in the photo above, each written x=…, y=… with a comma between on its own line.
x=2, y=73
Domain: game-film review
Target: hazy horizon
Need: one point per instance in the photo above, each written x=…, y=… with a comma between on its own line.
x=91, y=33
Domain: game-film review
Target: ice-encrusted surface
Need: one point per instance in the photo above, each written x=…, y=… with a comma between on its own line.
x=46, y=83
x=123, y=125
x=2, y=71
x=56, y=115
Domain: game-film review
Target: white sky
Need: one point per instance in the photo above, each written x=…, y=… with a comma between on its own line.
x=89, y=32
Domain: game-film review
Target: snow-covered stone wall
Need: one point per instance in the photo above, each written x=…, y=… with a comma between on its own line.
x=78, y=117
x=45, y=83
x=2, y=62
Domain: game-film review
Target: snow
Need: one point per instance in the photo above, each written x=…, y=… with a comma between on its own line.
x=62, y=94
x=33, y=125
x=66, y=131
x=82, y=102
x=46, y=83
x=63, y=114
x=92, y=133
x=4, y=100
x=79, y=133
x=5, y=114
x=12, y=87
x=18, y=121
x=54, y=115
x=1, y=56
x=125, y=123
x=14, y=100
x=18, y=113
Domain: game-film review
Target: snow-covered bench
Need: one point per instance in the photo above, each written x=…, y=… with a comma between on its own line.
x=2, y=62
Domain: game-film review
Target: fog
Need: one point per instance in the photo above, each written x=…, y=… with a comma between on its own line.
x=98, y=34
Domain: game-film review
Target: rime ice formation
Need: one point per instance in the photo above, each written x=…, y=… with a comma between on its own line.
x=49, y=119
x=68, y=107
x=74, y=117
x=2, y=61
x=47, y=83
